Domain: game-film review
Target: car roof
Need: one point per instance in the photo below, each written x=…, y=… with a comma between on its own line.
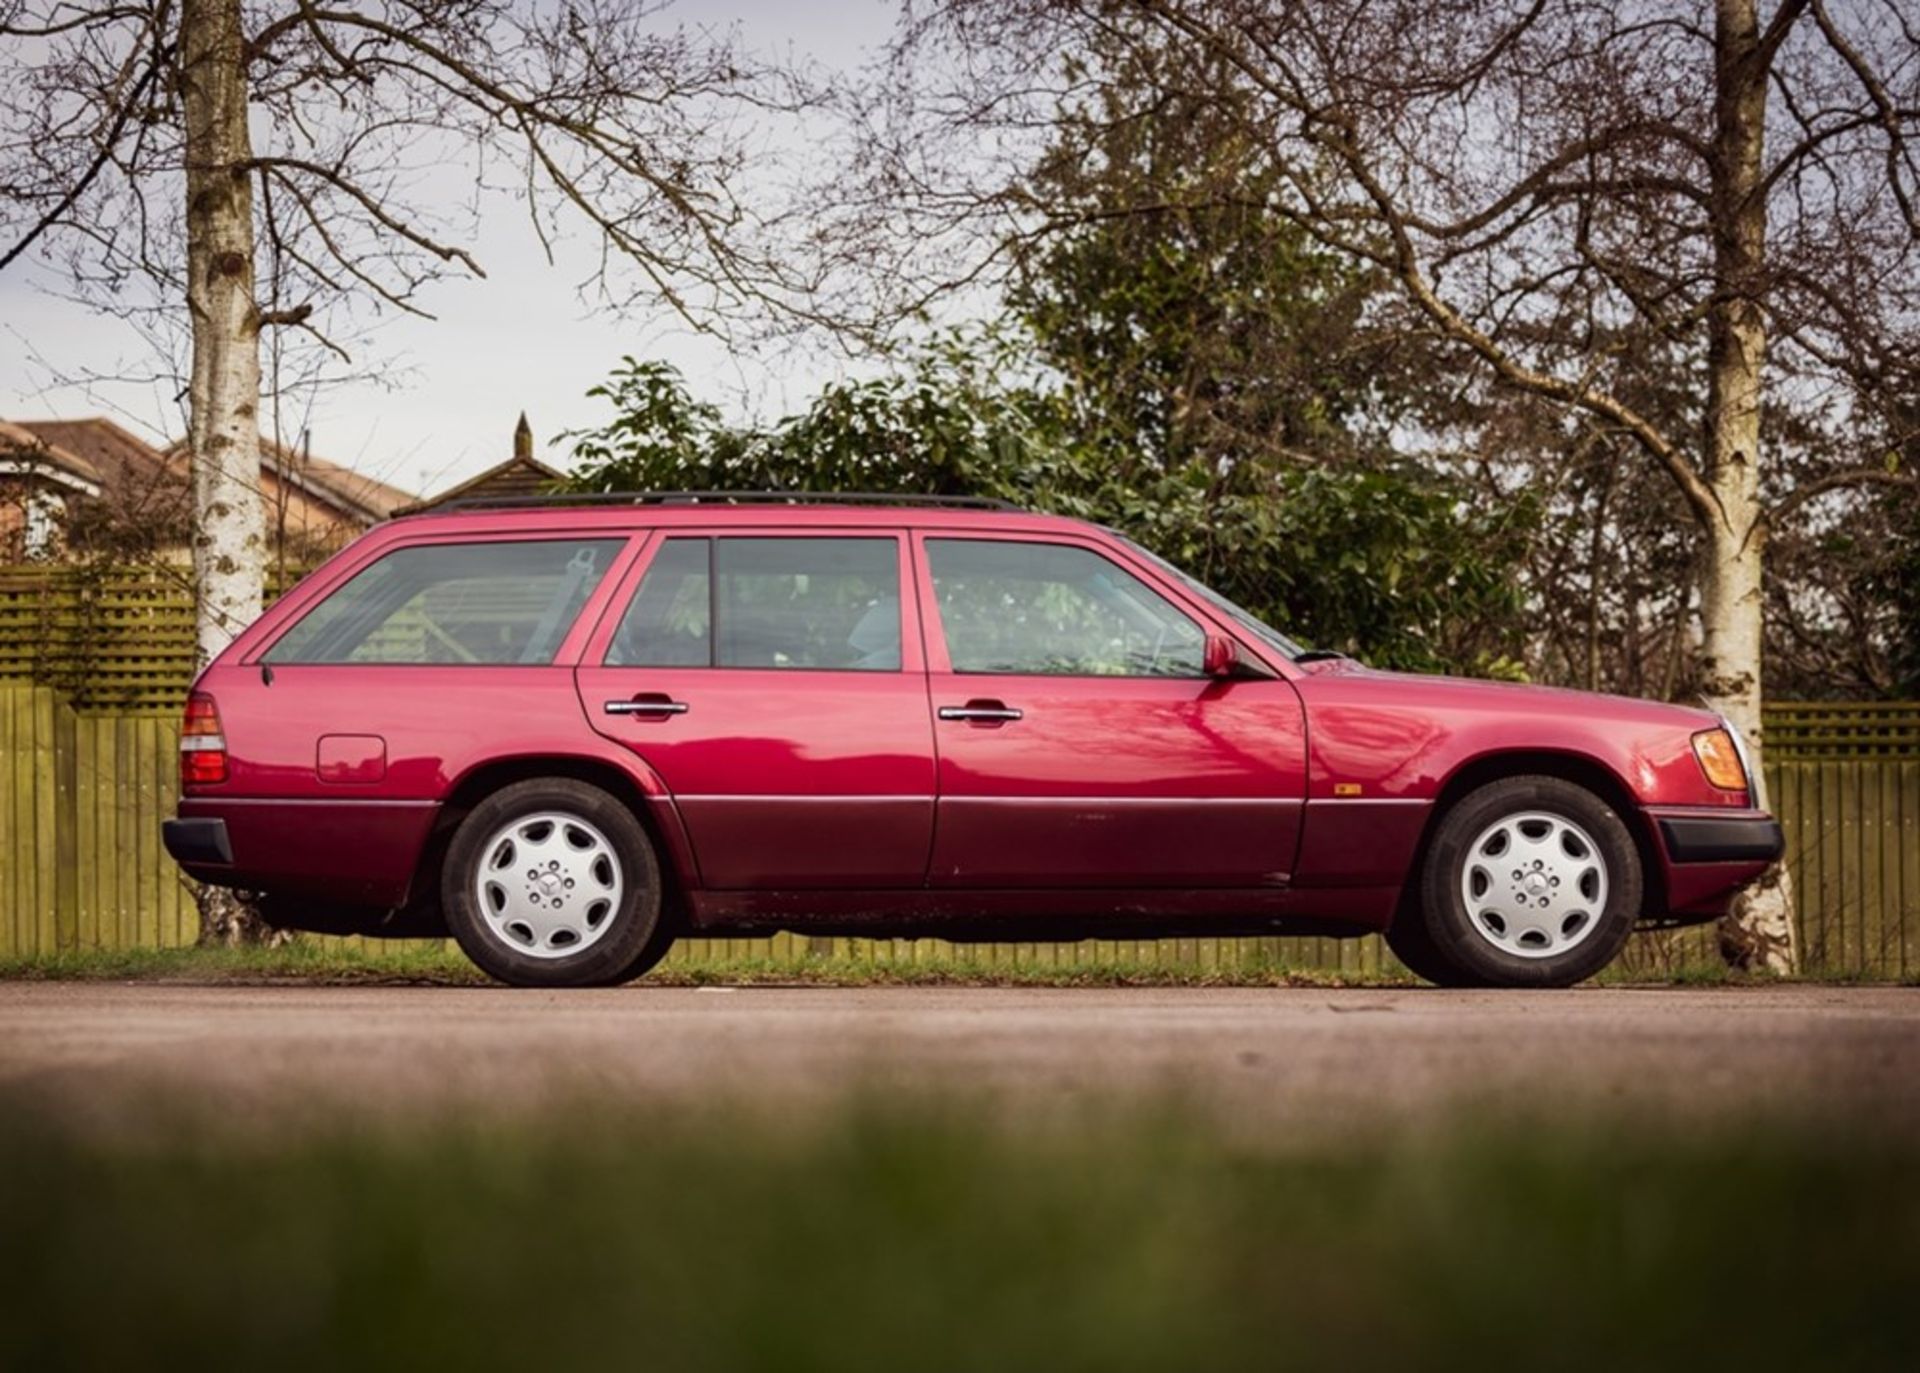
x=813, y=514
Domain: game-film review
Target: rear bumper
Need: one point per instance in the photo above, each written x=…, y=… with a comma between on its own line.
x=359, y=851
x=197, y=842
x=1747, y=838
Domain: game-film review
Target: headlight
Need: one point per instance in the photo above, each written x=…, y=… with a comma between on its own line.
x=1719, y=755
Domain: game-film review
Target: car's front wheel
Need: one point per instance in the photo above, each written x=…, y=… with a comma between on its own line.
x=553, y=883
x=1528, y=882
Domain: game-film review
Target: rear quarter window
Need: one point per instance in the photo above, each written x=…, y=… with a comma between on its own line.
x=497, y=602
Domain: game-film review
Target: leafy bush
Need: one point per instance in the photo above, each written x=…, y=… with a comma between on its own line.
x=1384, y=560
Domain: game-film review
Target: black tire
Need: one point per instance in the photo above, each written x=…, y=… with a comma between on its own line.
x=1411, y=943
x=620, y=943
x=1456, y=949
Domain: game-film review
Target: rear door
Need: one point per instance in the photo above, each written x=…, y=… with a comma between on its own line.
x=1080, y=742
x=775, y=684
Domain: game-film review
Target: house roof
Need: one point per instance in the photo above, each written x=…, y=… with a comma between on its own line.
x=520, y=475
x=151, y=486
x=376, y=499
x=48, y=450
x=320, y=481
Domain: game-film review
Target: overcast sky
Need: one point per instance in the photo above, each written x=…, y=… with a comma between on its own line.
x=454, y=386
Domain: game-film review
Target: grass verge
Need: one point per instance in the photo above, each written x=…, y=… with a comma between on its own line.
x=433, y=963
x=440, y=963
x=298, y=960
x=932, y=1241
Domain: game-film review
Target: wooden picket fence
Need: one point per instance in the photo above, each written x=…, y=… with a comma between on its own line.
x=83, y=791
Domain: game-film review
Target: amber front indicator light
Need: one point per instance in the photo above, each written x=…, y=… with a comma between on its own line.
x=1720, y=759
x=203, y=748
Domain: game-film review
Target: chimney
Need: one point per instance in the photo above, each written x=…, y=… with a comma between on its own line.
x=523, y=438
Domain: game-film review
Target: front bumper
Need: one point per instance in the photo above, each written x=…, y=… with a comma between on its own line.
x=1749, y=838
x=197, y=842
x=1706, y=858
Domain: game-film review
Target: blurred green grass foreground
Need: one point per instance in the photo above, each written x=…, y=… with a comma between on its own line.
x=915, y=1239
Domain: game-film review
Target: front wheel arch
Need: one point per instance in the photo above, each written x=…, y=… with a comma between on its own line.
x=1582, y=770
x=1443, y=929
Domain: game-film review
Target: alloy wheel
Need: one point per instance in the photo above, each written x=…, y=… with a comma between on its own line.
x=1534, y=884
x=548, y=884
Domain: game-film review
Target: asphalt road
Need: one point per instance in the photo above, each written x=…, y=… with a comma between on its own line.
x=1273, y=1062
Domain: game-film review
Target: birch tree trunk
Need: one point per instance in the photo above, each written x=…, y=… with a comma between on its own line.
x=1758, y=934
x=223, y=397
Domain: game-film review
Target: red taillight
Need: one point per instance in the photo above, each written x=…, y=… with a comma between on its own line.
x=203, y=748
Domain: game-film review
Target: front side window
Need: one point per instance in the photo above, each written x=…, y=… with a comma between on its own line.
x=1245, y=618
x=1055, y=609
x=497, y=602
x=766, y=603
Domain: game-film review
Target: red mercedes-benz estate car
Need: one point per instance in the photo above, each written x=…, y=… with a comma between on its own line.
x=568, y=732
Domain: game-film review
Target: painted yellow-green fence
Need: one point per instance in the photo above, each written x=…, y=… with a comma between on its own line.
x=82, y=794
x=81, y=800
x=109, y=639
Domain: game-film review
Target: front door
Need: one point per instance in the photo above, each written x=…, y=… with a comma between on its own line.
x=773, y=686
x=1080, y=741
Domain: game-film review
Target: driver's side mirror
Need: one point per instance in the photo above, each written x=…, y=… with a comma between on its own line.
x=1222, y=656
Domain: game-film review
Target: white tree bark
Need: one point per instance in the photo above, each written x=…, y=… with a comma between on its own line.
x=223, y=396
x=1758, y=934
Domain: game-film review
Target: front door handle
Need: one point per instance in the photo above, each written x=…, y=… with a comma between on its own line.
x=991, y=712
x=651, y=705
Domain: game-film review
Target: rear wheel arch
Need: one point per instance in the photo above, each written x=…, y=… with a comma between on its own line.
x=622, y=783
x=1581, y=769
x=552, y=881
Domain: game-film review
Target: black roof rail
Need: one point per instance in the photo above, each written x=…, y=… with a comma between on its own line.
x=571, y=498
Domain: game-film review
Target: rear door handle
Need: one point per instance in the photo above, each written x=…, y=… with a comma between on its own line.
x=997, y=714
x=647, y=705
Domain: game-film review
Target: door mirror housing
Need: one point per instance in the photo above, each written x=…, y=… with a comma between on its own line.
x=1222, y=656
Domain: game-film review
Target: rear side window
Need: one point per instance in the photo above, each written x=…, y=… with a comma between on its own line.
x=766, y=603
x=499, y=602
x=669, y=623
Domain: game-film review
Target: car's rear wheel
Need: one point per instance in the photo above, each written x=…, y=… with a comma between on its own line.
x=553, y=883
x=1528, y=882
